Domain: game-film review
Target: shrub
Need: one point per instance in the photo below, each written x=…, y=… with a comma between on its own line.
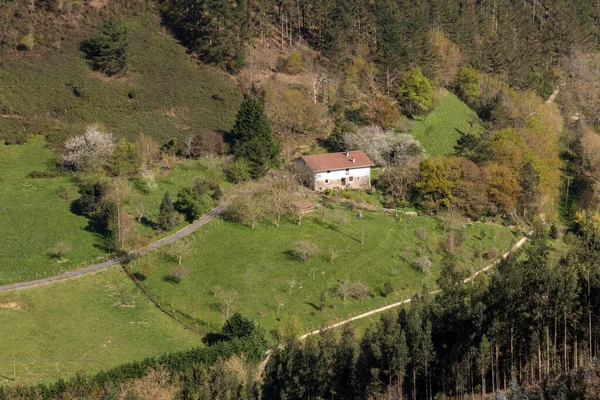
x=388, y=288
x=424, y=264
x=347, y=289
x=177, y=274
x=359, y=291
x=61, y=250
x=293, y=64
x=303, y=251
x=27, y=43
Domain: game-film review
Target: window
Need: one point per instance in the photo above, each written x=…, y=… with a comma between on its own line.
x=347, y=171
x=351, y=179
x=358, y=178
x=328, y=171
x=326, y=180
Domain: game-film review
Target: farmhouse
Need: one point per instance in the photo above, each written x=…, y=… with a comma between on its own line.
x=347, y=170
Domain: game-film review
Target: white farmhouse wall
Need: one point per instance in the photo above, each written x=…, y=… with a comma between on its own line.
x=341, y=173
x=340, y=179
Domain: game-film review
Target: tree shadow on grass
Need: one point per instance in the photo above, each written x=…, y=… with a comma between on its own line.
x=213, y=337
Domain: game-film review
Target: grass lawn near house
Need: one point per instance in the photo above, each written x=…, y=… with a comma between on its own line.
x=258, y=266
x=438, y=131
x=86, y=324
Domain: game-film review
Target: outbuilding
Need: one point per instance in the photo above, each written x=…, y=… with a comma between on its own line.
x=336, y=171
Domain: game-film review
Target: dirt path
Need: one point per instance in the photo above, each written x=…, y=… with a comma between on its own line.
x=554, y=94
x=517, y=246
x=188, y=230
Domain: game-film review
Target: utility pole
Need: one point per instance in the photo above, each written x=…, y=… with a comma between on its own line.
x=14, y=368
x=362, y=226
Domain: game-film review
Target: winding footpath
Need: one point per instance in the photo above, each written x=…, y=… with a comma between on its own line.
x=188, y=230
x=516, y=247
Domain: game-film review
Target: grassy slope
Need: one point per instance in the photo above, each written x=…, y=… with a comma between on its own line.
x=439, y=130
x=90, y=323
x=257, y=265
x=173, y=94
x=34, y=218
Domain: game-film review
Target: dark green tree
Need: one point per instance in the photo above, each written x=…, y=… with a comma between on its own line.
x=253, y=137
x=107, y=52
x=167, y=217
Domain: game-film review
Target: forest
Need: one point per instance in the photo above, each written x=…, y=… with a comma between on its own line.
x=279, y=79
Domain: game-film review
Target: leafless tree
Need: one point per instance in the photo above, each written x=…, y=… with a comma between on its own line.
x=382, y=146
x=292, y=282
x=333, y=252
x=303, y=251
x=181, y=248
x=228, y=298
x=280, y=298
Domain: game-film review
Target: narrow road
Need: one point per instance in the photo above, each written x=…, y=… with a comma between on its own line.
x=517, y=246
x=188, y=230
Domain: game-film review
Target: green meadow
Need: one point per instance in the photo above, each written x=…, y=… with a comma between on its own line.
x=258, y=265
x=439, y=130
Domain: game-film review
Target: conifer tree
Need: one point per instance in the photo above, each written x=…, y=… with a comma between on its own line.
x=167, y=218
x=107, y=52
x=254, y=138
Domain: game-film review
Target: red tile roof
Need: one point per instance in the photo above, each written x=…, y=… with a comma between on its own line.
x=334, y=161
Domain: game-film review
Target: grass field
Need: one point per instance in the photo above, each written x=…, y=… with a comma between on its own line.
x=439, y=130
x=90, y=323
x=34, y=218
x=258, y=266
x=165, y=93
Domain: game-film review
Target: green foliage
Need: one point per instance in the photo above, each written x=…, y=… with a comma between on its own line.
x=216, y=31
x=167, y=218
x=172, y=91
x=416, y=94
x=440, y=130
x=239, y=170
x=107, y=52
x=260, y=276
x=293, y=64
x=27, y=42
x=435, y=184
x=469, y=84
x=126, y=159
x=110, y=318
x=254, y=138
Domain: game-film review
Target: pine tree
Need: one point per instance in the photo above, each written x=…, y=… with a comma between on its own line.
x=167, y=218
x=107, y=52
x=254, y=138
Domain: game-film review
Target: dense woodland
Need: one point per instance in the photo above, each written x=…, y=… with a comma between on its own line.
x=364, y=71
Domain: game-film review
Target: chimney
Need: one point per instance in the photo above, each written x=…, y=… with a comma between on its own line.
x=353, y=160
x=346, y=153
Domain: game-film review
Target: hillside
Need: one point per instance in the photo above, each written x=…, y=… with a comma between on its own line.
x=439, y=130
x=164, y=93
